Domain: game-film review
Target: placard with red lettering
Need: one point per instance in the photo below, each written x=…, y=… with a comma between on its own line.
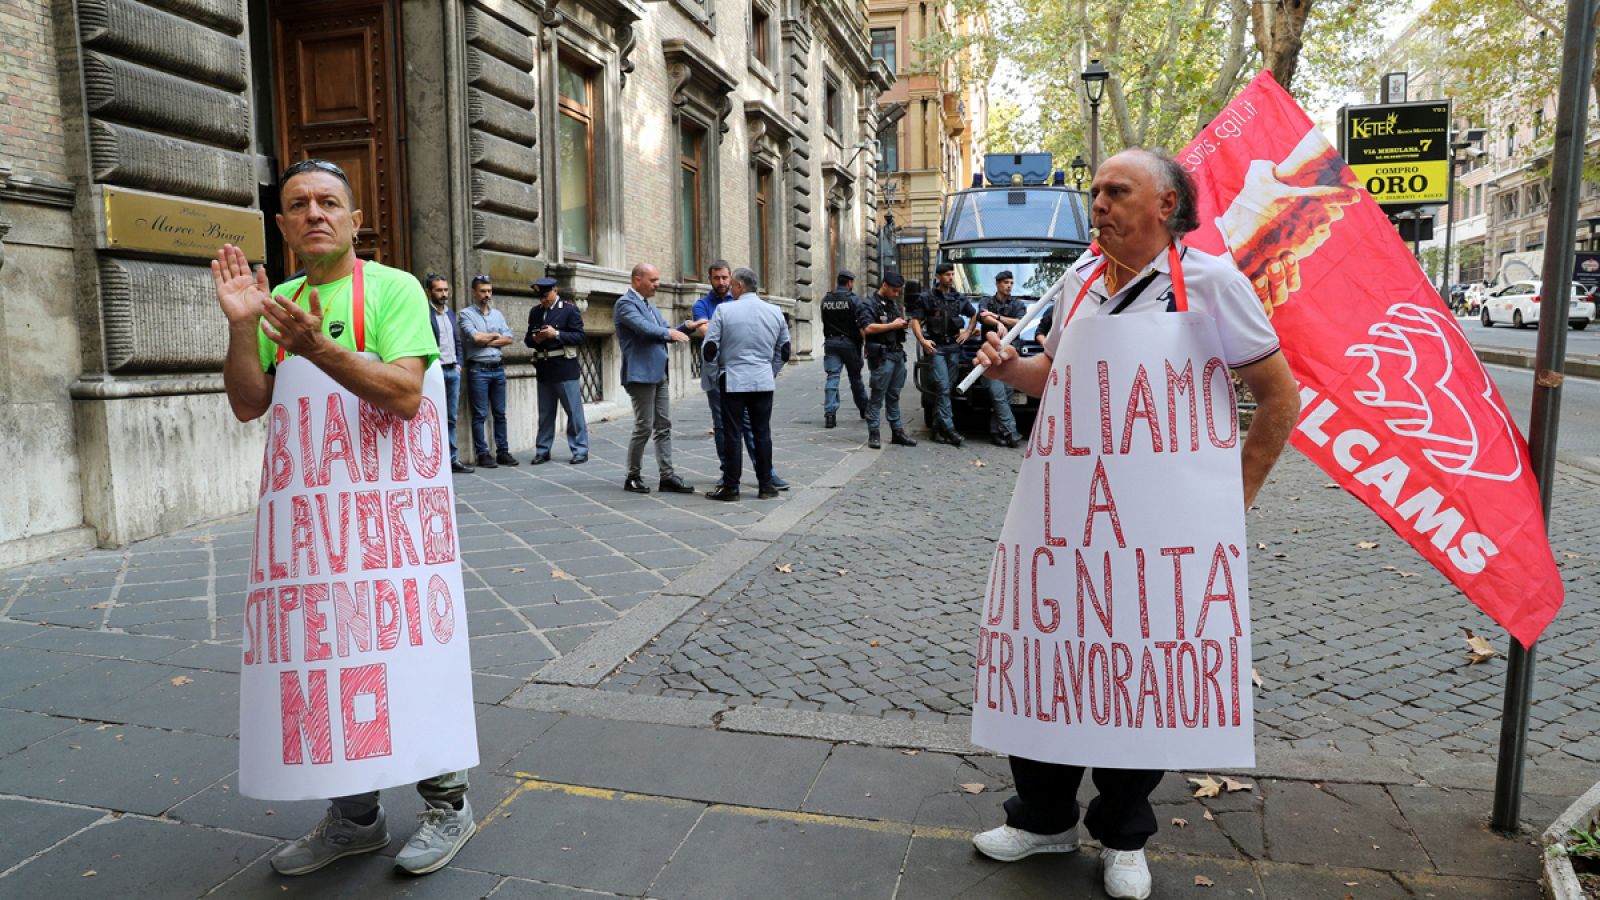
x=356, y=670
x=1396, y=406
x=1116, y=620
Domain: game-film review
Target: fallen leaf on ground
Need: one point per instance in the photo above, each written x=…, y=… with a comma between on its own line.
x=68, y=580
x=1331, y=485
x=1256, y=677
x=1351, y=883
x=557, y=573
x=1405, y=574
x=972, y=788
x=1181, y=823
x=785, y=568
x=517, y=570
x=1478, y=649
x=1208, y=816
x=204, y=539
x=1206, y=787
x=1202, y=881
x=910, y=752
x=105, y=605
x=979, y=463
x=1233, y=786
x=180, y=681
x=1260, y=546
x=1570, y=555
x=89, y=874
x=1367, y=545
x=843, y=571
x=874, y=644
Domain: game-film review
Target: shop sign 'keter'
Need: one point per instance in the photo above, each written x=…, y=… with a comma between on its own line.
x=1400, y=151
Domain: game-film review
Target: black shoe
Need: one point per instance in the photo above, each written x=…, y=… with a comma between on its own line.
x=578, y=459
x=672, y=484
x=1014, y=441
x=872, y=439
x=938, y=436
x=504, y=458
x=829, y=420
x=767, y=492
x=723, y=492
x=901, y=438
x=953, y=439
x=460, y=468
x=539, y=460
x=485, y=461
x=999, y=441
x=636, y=485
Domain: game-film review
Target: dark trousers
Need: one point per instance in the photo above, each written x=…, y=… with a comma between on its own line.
x=486, y=391
x=452, y=402
x=736, y=405
x=1120, y=818
x=842, y=355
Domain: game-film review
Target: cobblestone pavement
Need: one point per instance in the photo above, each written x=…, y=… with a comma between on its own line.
x=1356, y=647
x=550, y=553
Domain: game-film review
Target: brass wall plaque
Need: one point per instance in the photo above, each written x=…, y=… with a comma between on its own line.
x=156, y=224
x=511, y=274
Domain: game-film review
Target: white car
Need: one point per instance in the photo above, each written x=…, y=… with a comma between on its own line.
x=1518, y=304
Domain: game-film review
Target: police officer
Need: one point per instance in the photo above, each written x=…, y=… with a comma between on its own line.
x=936, y=320
x=555, y=332
x=1000, y=308
x=882, y=323
x=841, y=347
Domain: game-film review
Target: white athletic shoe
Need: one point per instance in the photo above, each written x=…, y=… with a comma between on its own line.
x=1127, y=875
x=1009, y=844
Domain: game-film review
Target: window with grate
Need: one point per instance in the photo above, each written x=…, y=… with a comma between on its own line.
x=590, y=384
x=575, y=159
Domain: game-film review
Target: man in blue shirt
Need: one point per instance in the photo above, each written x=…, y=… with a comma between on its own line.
x=643, y=338
x=483, y=332
x=746, y=344
x=720, y=277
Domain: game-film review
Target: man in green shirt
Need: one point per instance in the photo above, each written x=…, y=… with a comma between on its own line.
x=315, y=317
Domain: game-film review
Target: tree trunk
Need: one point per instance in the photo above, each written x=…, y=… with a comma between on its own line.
x=1279, y=27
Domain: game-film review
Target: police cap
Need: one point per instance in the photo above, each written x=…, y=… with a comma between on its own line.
x=894, y=279
x=943, y=268
x=544, y=285
x=1003, y=275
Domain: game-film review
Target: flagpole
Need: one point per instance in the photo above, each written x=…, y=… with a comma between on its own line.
x=1566, y=172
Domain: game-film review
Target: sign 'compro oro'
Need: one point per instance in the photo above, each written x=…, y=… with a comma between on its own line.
x=1400, y=151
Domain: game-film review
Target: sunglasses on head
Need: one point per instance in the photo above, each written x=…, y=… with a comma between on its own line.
x=482, y=279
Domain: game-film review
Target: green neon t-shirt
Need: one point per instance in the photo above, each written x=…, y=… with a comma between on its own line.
x=395, y=310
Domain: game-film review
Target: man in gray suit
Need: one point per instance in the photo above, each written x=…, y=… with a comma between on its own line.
x=643, y=337
x=746, y=343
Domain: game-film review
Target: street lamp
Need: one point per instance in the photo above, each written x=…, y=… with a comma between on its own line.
x=1094, y=87
x=1081, y=169
x=1472, y=137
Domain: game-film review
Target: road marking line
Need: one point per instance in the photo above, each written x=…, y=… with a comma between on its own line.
x=528, y=783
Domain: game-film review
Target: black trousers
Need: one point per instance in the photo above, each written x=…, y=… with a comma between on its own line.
x=1120, y=818
x=735, y=405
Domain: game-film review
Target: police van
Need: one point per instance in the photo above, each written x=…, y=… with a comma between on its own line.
x=1018, y=216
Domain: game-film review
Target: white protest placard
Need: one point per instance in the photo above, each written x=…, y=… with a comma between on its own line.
x=356, y=670
x=1116, y=623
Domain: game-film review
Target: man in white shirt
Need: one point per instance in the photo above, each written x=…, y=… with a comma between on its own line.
x=444, y=331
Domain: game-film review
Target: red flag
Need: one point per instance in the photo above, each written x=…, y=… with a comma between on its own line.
x=1396, y=405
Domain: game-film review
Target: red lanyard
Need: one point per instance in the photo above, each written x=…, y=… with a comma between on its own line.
x=358, y=308
x=1179, y=294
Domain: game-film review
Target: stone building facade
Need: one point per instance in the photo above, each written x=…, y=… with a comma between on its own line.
x=515, y=138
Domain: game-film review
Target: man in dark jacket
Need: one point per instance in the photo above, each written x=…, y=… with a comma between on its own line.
x=555, y=332
x=841, y=348
x=443, y=320
x=942, y=320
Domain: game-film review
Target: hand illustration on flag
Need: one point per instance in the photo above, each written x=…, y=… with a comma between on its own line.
x=1396, y=406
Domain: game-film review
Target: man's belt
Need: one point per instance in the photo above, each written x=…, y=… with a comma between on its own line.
x=568, y=352
x=447, y=366
x=497, y=364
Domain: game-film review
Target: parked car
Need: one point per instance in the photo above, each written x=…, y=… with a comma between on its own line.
x=1518, y=304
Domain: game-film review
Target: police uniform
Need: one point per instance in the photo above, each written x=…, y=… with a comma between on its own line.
x=841, y=349
x=886, y=358
x=1002, y=423
x=941, y=313
x=556, y=366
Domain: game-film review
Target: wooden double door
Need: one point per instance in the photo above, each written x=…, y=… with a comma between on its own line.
x=338, y=90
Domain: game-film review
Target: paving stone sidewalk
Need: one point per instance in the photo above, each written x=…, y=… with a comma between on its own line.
x=118, y=702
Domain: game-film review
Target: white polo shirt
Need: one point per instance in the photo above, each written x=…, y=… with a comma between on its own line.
x=1213, y=285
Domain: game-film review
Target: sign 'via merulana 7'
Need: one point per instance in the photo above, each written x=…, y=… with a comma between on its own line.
x=1400, y=152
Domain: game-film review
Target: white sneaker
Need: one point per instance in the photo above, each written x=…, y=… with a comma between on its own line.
x=1009, y=844
x=1127, y=875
